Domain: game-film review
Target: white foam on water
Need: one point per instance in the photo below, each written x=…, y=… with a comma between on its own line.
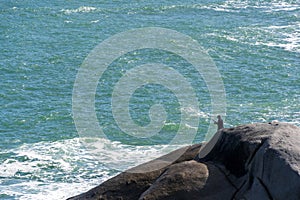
x=238, y=5
x=281, y=6
x=81, y=9
x=68, y=21
x=57, y=170
x=194, y=113
x=118, y=156
x=49, y=191
x=287, y=37
x=227, y=6
x=231, y=6
x=47, y=170
x=10, y=167
x=95, y=21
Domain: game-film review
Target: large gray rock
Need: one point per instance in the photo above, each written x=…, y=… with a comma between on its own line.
x=190, y=180
x=255, y=161
x=131, y=184
x=261, y=160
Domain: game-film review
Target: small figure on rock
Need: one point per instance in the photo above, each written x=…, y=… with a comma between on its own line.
x=219, y=122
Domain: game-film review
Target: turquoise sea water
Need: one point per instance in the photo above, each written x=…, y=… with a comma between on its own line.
x=255, y=46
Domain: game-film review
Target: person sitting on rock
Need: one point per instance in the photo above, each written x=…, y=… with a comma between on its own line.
x=219, y=122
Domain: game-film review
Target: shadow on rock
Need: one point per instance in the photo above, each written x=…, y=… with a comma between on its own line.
x=254, y=161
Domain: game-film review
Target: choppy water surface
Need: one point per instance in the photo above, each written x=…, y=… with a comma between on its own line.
x=256, y=47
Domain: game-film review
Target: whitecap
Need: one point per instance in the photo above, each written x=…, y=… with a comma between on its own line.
x=50, y=191
x=68, y=21
x=95, y=21
x=50, y=164
x=79, y=163
x=82, y=9
x=118, y=156
x=194, y=112
x=281, y=6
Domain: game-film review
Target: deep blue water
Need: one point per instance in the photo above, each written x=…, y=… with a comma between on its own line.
x=255, y=46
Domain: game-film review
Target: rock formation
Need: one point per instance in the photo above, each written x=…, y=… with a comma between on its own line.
x=253, y=162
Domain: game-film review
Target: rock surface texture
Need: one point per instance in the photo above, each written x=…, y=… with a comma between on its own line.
x=255, y=162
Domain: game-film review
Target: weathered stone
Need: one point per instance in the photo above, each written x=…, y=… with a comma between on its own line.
x=190, y=180
x=263, y=160
x=254, y=161
x=131, y=184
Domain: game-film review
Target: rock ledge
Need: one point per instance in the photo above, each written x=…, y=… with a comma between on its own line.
x=254, y=161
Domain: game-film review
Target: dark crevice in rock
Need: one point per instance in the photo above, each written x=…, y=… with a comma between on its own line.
x=237, y=190
x=226, y=176
x=253, y=154
x=265, y=187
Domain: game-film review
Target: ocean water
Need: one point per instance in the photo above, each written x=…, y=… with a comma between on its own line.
x=254, y=44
